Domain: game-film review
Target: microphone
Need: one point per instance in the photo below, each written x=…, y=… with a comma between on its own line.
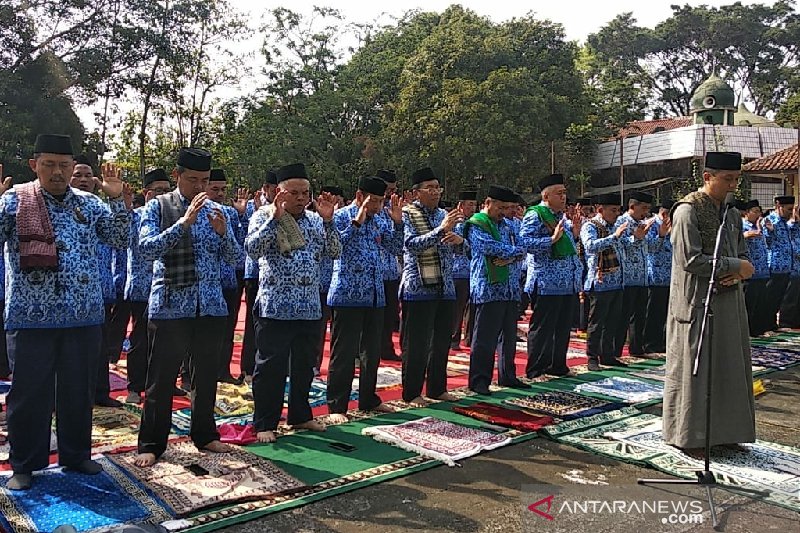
x=729, y=202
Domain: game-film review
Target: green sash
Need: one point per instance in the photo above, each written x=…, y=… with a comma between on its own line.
x=563, y=247
x=495, y=274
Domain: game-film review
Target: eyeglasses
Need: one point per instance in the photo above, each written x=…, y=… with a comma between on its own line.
x=160, y=190
x=432, y=190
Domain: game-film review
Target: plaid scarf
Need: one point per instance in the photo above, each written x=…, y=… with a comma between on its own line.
x=37, y=243
x=607, y=260
x=430, y=267
x=179, y=268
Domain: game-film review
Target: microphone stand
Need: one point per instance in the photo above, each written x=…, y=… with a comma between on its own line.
x=705, y=477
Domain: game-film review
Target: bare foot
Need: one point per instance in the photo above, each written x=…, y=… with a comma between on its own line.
x=144, y=460
x=383, y=408
x=217, y=447
x=311, y=425
x=337, y=418
x=446, y=397
x=266, y=436
x=419, y=401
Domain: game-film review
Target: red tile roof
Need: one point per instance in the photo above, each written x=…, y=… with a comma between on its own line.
x=645, y=127
x=785, y=159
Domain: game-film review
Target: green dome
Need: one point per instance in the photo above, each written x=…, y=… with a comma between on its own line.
x=713, y=93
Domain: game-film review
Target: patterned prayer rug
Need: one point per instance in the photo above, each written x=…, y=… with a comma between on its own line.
x=774, y=357
x=389, y=377
x=625, y=389
x=495, y=414
x=233, y=399
x=437, y=439
x=656, y=374
x=187, y=479
x=87, y=502
x=116, y=382
x=182, y=420
x=564, y=405
x=113, y=428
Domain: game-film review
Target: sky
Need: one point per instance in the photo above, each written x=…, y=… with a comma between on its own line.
x=579, y=18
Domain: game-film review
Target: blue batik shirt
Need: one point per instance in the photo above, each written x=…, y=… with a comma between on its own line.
x=227, y=271
x=2, y=274
x=203, y=298
x=250, y=265
x=757, y=250
x=593, y=245
x=461, y=261
x=140, y=271
x=546, y=274
x=105, y=259
x=659, y=257
x=119, y=269
x=481, y=245
x=633, y=256
x=289, y=284
x=71, y=297
x=358, y=273
x=779, y=244
x=411, y=285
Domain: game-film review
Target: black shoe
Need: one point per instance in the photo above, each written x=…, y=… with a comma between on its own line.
x=108, y=402
x=391, y=357
x=593, y=365
x=88, y=466
x=483, y=391
x=177, y=391
x=613, y=362
x=20, y=482
x=515, y=384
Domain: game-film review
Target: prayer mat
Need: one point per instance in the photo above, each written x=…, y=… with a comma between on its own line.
x=182, y=420
x=774, y=357
x=389, y=377
x=116, y=382
x=113, y=428
x=233, y=400
x=656, y=374
x=563, y=404
x=495, y=414
x=187, y=479
x=625, y=389
x=437, y=439
x=86, y=502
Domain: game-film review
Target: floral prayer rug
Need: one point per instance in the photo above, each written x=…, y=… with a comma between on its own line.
x=625, y=389
x=86, y=502
x=233, y=400
x=495, y=414
x=113, y=428
x=774, y=357
x=389, y=377
x=187, y=479
x=437, y=439
x=563, y=404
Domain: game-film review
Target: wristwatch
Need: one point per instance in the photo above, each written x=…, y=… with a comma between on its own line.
x=356, y=223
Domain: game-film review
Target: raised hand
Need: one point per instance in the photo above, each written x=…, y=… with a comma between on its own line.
x=193, y=210
x=361, y=216
x=326, y=206
x=127, y=195
x=768, y=224
x=665, y=228
x=395, y=208
x=218, y=221
x=641, y=230
x=452, y=238
x=577, y=221
x=7, y=182
x=451, y=219
x=557, y=232
x=621, y=230
x=111, y=184
x=240, y=203
x=278, y=205
x=751, y=234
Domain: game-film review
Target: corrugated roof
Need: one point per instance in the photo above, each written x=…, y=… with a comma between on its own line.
x=646, y=127
x=781, y=160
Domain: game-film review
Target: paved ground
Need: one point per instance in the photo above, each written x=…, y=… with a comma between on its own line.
x=488, y=493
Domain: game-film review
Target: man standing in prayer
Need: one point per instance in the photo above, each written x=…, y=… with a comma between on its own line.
x=325, y=275
x=659, y=269
x=467, y=199
x=781, y=256
x=391, y=279
x=755, y=288
x=356, y=295
x=427, y=289
x=494, y=290
x=555, y=274
x=288, y=241
x=187, y=236
x=695, y=221
x=54, y=310
x=603, y=284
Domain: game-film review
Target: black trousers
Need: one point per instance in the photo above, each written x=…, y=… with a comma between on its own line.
x=391, y=316
x=102, y=385
x=429, y=327
x=5, y=365
x=54, y=369
x=548, y=334
x=117, y=325
x=170, y=341
x=776, y=289
x=583, y=303
x=139, y=352
x=233, y=299
x=323, y=327
x=285, y=347
x=755, y=299
x=462, y=300
x=470, y=324
x=790, y=305
x=655, y=329
x=604, y=323
x=249, y=340
x=634, y=309
x=355, y=331
x=493, y=320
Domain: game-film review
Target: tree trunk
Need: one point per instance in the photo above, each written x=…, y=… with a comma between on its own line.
x=149, y=94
